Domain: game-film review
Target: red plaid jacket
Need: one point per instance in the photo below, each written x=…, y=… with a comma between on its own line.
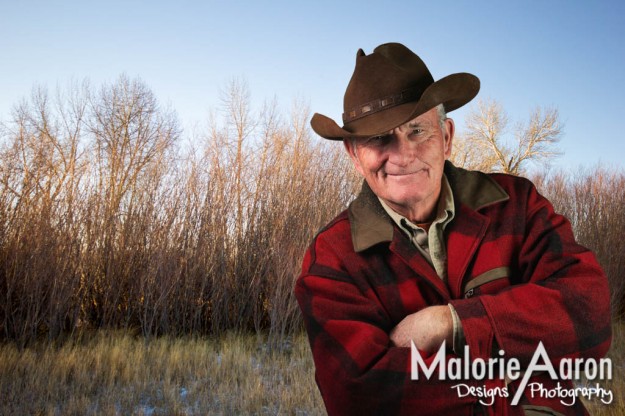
x=516, y=276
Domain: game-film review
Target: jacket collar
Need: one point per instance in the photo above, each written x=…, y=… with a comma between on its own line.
x=371, y=225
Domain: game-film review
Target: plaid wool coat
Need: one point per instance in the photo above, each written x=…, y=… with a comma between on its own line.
x=516, y=276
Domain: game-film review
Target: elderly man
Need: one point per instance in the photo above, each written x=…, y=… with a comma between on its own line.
x=435, y=255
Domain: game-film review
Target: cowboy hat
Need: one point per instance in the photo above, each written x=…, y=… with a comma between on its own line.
x=390, y=87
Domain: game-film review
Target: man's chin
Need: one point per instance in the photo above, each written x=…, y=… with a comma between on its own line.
x=403, y=201
x=406, y=196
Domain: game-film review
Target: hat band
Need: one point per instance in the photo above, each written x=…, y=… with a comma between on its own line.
x=380, y=104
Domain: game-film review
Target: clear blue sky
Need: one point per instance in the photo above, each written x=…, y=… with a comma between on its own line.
x=567, y=54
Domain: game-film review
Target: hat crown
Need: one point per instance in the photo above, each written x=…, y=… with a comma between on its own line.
x=392, y=69
x=390, y=87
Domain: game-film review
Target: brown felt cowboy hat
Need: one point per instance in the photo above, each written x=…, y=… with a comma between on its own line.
x=390, y=87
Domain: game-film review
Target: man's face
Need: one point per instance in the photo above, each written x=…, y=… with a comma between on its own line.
x=405, y=167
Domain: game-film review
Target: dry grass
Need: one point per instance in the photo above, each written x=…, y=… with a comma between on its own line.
x=114, y=373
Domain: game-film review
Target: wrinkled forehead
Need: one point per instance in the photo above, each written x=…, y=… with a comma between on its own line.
x=429, y=118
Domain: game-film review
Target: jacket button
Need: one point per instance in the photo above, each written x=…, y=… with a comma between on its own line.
x=469, y=293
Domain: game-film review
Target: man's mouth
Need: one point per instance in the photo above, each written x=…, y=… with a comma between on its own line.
x=399, y=174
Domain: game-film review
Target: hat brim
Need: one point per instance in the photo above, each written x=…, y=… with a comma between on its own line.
x=453, y=91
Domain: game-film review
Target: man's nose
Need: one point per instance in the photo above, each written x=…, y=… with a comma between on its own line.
x=402, y=149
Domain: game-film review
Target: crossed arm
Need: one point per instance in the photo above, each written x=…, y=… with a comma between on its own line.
x=427, y=328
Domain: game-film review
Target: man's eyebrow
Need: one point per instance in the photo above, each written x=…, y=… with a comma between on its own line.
x=412, y=124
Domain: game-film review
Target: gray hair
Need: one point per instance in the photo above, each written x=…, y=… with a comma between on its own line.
x=442, y=115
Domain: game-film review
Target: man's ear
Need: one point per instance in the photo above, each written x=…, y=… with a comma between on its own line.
x=448, y=136
x=350, y=147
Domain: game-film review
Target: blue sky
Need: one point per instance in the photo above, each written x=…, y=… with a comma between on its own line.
x=566, y=54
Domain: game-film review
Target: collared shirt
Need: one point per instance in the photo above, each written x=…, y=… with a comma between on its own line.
x=431, y=242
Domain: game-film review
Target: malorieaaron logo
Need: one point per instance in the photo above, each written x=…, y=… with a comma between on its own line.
x=503, y=368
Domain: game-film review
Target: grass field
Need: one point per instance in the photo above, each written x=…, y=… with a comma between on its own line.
x=119, y=374
x=114, y=373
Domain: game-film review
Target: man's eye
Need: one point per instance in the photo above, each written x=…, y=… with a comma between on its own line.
x=375, y=140
x=416, y=132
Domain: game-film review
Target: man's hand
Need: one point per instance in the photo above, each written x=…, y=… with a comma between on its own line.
x=428, y=328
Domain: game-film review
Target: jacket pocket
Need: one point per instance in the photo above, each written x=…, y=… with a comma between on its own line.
x=491, y=281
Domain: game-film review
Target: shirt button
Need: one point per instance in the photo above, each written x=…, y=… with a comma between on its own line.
x=469, y=293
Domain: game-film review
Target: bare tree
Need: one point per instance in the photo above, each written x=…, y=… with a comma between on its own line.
x=40, y=175
x=484, y=146
x=131, y=136
x=105, y=222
